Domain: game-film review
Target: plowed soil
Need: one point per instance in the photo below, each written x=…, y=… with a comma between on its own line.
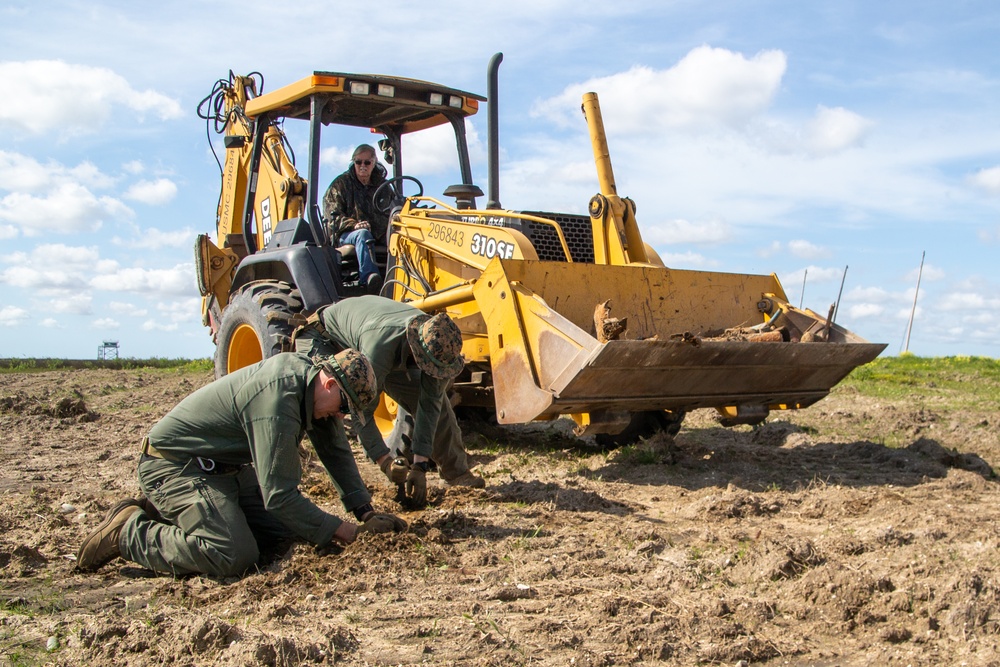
x=856, y=532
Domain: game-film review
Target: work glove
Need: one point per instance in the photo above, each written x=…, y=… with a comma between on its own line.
x=395, y=469
x=382, y=523
x=416, y=483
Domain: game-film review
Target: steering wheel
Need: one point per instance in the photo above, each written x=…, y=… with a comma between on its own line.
x=385, y=196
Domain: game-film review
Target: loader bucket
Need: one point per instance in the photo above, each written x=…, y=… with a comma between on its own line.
x=673, y=355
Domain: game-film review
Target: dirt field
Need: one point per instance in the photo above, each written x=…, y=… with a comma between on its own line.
x=807, y=541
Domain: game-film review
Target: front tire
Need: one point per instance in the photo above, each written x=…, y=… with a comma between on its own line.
x=255, y=325
x=643, y=425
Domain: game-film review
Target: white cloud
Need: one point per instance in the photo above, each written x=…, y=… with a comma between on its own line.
x=966, y=301
x=433, y=151
x=66, y=257
x=133, y=167
x=153, y=239
x=864, y=310
x=987, y=179
x=834, y=130
x=127, y=309
x=7, y=232
x=687, y=260
x=12, y=316
x=829, y=132
x=775, y=248
x=172, y=313
x=872, y=294
x=178, y=280
x=530, y=182
x=70, y=274
x=685, y=231
x=806, y=250
x=985, y=317
x=41, y=279
x=796, y=248
x=52, y=197
x=154, y=193
x=69, y=208
x=77, y=304
x=105, y=323
x=22, y=173
x=156, y=325
x=709, y=86
x=811, y=274
x=929, y=272
x=336, y=157
x=51, y=323
x=46, y=95
x=988, y=235
x=181, y=310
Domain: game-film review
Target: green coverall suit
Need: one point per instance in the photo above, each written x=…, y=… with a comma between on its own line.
x=218, y=521
x=376, y=327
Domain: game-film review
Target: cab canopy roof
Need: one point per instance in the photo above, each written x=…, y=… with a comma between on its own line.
x=367, y=100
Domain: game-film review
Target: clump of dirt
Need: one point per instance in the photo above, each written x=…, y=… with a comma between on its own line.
x=805, y=540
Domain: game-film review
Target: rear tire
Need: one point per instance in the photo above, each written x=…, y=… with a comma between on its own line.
x=255, y=325
x=643, y=425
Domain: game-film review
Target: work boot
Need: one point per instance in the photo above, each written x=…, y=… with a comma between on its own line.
x=469, y=479
x=101, y=546
x=374, y=284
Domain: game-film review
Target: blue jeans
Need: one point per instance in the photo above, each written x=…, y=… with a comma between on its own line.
x=362, y=240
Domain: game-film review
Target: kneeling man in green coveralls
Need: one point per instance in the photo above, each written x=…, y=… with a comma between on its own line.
x=222, y=470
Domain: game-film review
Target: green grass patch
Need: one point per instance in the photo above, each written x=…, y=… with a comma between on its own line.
x=964, y=380
x=30, y=365
x=17, y=606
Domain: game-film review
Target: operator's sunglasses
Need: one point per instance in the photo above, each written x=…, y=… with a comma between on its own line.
x=345, y=407
x=367, y=163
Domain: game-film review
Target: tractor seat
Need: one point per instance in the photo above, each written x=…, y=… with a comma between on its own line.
x=347, y=259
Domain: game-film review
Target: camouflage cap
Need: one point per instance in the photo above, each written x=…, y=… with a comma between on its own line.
x=354, y=373
x=436, y=343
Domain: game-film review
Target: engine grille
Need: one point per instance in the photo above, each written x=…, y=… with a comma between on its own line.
x=576, y=228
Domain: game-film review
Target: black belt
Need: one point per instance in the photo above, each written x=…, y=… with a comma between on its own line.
x=208, y=466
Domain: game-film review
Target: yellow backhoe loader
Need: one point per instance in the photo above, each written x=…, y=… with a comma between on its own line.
x=561, y=314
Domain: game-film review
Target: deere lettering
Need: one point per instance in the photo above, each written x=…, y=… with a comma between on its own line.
x=265, y=215
x=489, y=247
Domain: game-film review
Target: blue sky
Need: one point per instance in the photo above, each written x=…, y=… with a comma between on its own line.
x=768, y=137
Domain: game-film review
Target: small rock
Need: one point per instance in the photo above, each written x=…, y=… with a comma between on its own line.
x=310, y=598
x=52, y=644
x=66, y=508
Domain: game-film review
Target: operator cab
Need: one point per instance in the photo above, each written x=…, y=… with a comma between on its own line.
x=393, y=107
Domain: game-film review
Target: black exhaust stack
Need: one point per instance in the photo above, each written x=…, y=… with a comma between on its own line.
x=493, y=122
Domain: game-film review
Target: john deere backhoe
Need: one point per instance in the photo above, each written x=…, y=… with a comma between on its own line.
x=561, y=314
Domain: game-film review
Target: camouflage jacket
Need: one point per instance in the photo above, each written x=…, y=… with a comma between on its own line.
x=348, y=201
